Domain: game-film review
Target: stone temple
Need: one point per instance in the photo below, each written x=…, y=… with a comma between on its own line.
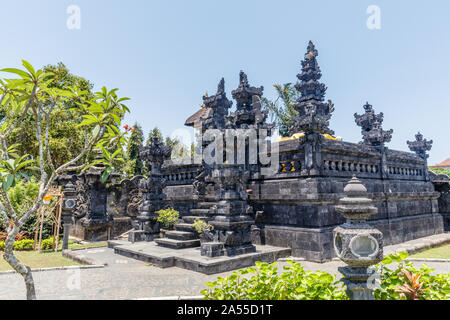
x=258, y=216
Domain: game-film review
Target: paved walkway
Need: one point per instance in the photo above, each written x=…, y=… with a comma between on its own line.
x=125, y=278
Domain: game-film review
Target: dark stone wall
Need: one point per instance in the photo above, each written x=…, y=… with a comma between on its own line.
x=444, y=203
x=296, y=206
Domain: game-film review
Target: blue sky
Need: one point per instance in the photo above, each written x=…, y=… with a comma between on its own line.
x=164, y=55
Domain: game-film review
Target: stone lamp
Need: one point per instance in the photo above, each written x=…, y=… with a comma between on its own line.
x=357, y=243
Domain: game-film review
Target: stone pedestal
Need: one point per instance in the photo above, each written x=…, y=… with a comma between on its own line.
x=357, y=243
x=357, y=282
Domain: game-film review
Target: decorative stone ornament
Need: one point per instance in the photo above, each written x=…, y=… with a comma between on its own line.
x=371, y=127
x=357, y=243
x=69, y=205
x=420, y=146
x=314, y=114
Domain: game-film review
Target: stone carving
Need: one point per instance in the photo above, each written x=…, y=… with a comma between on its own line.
x=314, y=114
x=248, y=114
x=420, y=146
x=230, y=215
x=129, y=196
x=83, y=198
x=219, y=105
x=357, y=243
x=199, y=183
x=371, y=127
x=145, y=225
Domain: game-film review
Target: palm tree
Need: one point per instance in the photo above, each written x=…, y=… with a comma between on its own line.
x=282, y=110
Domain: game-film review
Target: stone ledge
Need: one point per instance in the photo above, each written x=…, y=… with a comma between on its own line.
x=75, y=256
x=58, y=268
x=191, y=259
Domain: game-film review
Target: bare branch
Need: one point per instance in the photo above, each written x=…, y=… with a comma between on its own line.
x=46, y=143
x=5, y=216
x=7, y=205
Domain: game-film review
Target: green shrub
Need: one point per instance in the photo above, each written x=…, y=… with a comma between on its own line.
x=27, y=244
x=168, y=217
x=22, y=196
x=437, y=285
x=47, y=244
x=263, y=282
x=440, y=170
x=24, y=245
x=200, y=225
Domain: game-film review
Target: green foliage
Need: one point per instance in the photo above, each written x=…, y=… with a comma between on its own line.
x=441, y=170
x=65, y=138
x=168, y=217
x=23, y=195
x=264, y=282
x=27, y=245
x=136, y=141
x=12, y=170
x=154, y=133
x=438, y=285
x=282, y=109
x=200, y=225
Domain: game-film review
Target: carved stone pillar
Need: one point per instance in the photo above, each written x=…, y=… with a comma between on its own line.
x=146, y=227
x=69, y=205
x=230, y=215
x=357, y=243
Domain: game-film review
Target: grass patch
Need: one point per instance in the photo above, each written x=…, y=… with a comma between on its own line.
x=49, y=258
x=442, y=252
x=34, y=259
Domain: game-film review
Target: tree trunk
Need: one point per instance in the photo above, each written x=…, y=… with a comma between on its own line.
x=23, y=270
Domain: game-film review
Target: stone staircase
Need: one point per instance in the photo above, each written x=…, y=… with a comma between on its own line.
x=184, y=235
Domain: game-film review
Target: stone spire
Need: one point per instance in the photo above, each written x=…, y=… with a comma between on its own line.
x=249, y=114
x=244, y=93
x=314, y=114
x=420, y=146
x=371, y=127
x=155, y=153
x=219, y=104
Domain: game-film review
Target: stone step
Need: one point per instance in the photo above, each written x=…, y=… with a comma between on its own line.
x=191, y=219
x=181, y=235
x=178, y=244
x=199, y=212
x=184, y=227
x=205, y=205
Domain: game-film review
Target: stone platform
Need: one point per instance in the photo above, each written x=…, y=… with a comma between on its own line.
x=190, y=258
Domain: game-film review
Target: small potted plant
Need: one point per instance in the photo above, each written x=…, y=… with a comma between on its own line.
x=168, y=218
x=204, y=230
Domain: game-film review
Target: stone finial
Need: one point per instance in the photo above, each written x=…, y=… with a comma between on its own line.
x=244, y=92
x=356, y=206
x=371, y=127
x=155, y=153
x=314, y=114
x=216, y=107
x=249, y=114
x=420, y=146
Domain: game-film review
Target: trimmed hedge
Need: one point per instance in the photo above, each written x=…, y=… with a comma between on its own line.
x=27, y=245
